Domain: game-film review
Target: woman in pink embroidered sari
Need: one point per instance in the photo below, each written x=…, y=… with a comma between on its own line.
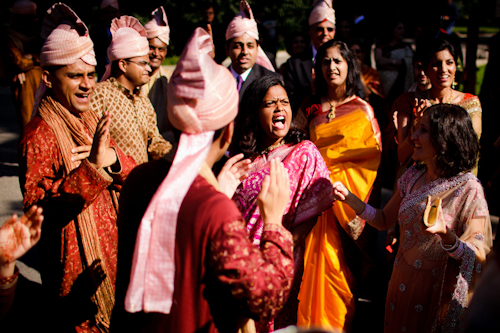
x=437, y=264
x=264, y=131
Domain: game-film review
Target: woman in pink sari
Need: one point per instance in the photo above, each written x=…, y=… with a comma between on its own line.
x=265, y=131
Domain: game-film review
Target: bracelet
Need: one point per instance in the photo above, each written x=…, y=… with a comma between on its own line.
x=10, y=279
x=368, y=213
x=450, y=248
x=459, y=252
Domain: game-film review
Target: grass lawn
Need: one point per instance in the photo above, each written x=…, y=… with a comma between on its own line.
x=482, y=30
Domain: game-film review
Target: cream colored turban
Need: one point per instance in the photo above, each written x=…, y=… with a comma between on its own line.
x=158, y=26
x=67, y=38
x=202, y=98
x=322, y=11
x=244, y=23
x=128, y=41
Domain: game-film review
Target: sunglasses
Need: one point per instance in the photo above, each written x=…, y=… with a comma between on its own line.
x=321, y=29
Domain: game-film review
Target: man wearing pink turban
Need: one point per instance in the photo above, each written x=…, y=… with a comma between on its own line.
x=248, y=60
x=71, y=168
x=193, y=268
x=134, y=119
x=158, y=33
x=298, y=69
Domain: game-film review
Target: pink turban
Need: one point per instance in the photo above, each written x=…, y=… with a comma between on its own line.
x=322, y=11
x=24, y=7
x=158, y=26
x=128, y=41
x=67, y=38
x=243, y=23
x=202, y=98
x=67, y=41
x=112, y=3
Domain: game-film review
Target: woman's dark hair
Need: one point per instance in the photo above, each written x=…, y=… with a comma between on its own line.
x=352, y=79
x=454, y=139
x=248, y=133
x=434, y=46
x=289, y=38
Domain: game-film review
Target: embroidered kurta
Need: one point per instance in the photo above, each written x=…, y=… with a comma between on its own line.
x=219, y=273
x=429, y=291
x=63, y=196
x=310, y=196
x=134, y=126
x=156, y=90
x=350, y=146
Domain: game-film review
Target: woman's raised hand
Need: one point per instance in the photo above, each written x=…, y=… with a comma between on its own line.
x=233, y=173
x=275, y=193
x=419, y=106
x=340, y=192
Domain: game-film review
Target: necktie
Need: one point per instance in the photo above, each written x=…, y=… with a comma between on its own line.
x=239, y=82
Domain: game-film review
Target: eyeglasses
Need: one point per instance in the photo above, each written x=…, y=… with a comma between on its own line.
x=142, y=63
x=160, y=49
x=321, y=29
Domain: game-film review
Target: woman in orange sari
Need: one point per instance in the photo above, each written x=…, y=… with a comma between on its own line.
x=344, y=129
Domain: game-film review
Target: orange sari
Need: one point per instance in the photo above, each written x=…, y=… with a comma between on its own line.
x=350, y=145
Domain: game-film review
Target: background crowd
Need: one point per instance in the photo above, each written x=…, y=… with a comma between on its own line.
x=249, y=197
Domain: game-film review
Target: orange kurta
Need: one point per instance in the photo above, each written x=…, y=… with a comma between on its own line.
x=350, y=145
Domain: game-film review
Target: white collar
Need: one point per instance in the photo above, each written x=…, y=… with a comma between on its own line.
x=243, y=75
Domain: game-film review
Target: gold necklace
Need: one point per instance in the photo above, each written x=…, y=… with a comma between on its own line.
x=272, y=147
x=331, y=115
x=450, y=101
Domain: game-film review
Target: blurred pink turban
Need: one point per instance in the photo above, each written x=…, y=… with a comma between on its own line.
x=112, y=3
x=158, y=26
x=128, y=41
x=243, y=23
x=322, y=11
x=67, y=38
x=24, y=7
x=202, y=98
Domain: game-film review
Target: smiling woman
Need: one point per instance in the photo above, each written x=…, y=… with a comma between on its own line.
x=264, y=131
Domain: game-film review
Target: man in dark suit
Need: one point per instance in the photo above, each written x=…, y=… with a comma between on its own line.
x=298, y=73
x=248, y=60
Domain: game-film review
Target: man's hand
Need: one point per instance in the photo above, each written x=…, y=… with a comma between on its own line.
x=275, y=193
x=101, y=155
x=232, y=174
x=17, y=236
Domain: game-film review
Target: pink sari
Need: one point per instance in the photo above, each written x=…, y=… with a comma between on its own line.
x=310, y=196
x=310, y=187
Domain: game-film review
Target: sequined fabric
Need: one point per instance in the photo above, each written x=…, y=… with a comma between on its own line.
x=425, y=277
